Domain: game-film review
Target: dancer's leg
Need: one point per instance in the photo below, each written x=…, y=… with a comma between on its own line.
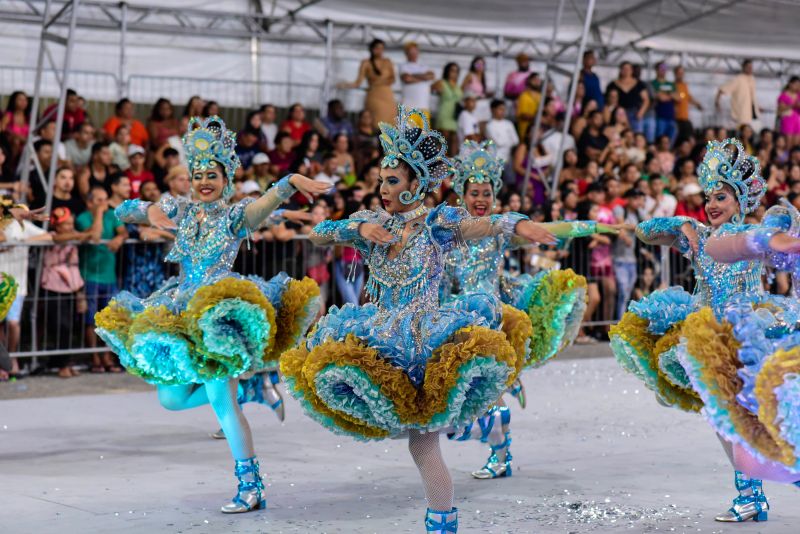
x=222, y=395
x=427, y=455
x=182, y=397
x=751, y=503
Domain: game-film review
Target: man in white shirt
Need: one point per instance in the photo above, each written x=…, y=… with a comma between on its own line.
x=553, y=125
x=417, y=79
x=504, y=134
x=269, y=128
x=328, y=173
x=665, y=203
x=468, y=126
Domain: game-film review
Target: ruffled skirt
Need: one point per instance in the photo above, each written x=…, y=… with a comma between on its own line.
x=372, y=374
x=226, y=329
x=554, y=302
x=8, y=293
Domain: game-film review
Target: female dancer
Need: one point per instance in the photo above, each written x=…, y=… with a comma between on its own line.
x=404, y=365
x=202, y=330
x=541, y=314
x=646, y=341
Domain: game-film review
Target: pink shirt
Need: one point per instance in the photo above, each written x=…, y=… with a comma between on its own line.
x=515, y=83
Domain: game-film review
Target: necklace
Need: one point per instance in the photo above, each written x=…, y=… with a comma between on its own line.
x=397, y=222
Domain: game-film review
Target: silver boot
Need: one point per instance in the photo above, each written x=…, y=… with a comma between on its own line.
x=750, y=504
x=250, y=496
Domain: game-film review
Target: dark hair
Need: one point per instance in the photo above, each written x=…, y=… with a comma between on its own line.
x=120, y=103
x=11, y=104
x=595, y=187
x=747, y=62
x=71, y=92
x=447, y=67
x=588, y=53
x=188, y=107
x=305, y=143
x=207, y=107
x=483, y=74
x=280, y=136
x=264, y=107
x=496, y=103
x=40, y=143
x=93, y=188
x=327, y=156
x=170, y=152
x=154, y=116
x=372, y=46
x=115, y=179
x=583, y=209
x=293, y=107
x=333, y=103
x=632, y=193
x=80, y=126
x=120, y=127
x=98, y=146
x=791, y=81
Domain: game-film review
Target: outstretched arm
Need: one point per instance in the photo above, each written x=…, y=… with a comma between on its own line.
x=771, y=240
x=257, y=211
x=680, y=232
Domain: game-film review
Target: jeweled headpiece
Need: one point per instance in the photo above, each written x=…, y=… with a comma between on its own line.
x=727, y=163
x=412, y=140
x=477, y=163
x=208, y=142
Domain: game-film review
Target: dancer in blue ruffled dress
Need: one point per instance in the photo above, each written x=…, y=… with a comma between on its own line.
x=197, y=335
x=541, y=314
x=404, y=364
x=661, y=333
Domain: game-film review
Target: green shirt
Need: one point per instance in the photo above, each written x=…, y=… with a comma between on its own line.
x=664, y=110
x=97, y=263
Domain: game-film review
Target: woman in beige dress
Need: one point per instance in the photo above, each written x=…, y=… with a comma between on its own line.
x=379, y=73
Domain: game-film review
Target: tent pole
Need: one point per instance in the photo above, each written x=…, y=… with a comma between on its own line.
x=326, y=84
x=537, y=123
x=572, y=90
x=498, y=68
x=123, y=51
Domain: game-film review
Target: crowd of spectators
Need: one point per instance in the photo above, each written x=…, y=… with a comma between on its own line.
x=630, y=154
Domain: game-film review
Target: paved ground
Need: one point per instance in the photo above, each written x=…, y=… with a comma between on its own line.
x=593, y=453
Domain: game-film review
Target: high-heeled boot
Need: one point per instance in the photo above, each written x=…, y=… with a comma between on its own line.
x=441, y=522
x=250, y=495
x=496, y=468
x=750, y=504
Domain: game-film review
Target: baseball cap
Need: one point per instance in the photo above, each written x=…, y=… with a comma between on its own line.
x=691, y=189
x=249, y=187
x=135, y=149
x=260, y=159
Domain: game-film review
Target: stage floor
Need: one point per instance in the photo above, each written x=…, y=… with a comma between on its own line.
x=593, y=452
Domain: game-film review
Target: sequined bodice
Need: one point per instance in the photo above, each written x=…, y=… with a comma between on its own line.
x=475, y=266
x=717, y=282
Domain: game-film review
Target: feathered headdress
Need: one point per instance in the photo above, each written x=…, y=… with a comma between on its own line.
x=207, y=142
x=727, y=163
x=478, y=163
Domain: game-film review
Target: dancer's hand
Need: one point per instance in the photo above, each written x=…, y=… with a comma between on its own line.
x=308, y=186
x=613, y=228
x=783, y=242
x=535, y=233
x=159, y=219
x=375, y=233
x=691, y=235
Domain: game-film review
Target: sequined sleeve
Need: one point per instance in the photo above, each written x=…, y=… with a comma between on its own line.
x=237, y=217
x=344, y=231
x=133, y=211
x=753, y=241
x=256, y=212
x=452, y=226
x=666, y=231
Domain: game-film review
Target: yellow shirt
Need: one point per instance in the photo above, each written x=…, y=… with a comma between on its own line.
x=742, y=90
x=527, y=104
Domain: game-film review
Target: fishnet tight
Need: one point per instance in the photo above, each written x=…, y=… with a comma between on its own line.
x=427, y=455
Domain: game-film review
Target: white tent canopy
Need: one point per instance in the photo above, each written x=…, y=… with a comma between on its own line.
x=280, y=44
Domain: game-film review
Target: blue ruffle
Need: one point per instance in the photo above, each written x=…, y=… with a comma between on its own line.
x=663, y=308
x=518, y=291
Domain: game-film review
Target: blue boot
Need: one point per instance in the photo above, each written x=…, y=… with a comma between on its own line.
x=441, y=522
x=250, y=495
x=750, y=504
x=495, y=468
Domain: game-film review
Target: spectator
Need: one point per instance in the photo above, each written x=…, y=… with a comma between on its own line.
x=468, y=126
x=14, y=261
x=119, y=148
x=634, y=146
x=742, y=90
x=36, y=190
x=646, y=283
x=253, y=123
x=249, y=188
x=416, y=78
x=345, y=165
x=450, y=95
x=137, y=173
x=633, y=97
x=612, y=189
x=123, y=115
x=591, y=83
x=120, y=187
x=475, y=82
x=211, y=109
x=99, y=170
x=664, y=155
x=504, y=134
x=538, y=167
x=569, y=168
x=162, y=124
x=14, y=122
x=47, y=131
x=150, y=192
x=365, y=141
x=517, y=80
x=789, y=111
x=692, y=204
x=309, y=149
x=64, y=194
x=296, y=125
x=178, y=183
x=247, y=146
x=194, y=108
x=685, y=98
x=379, y=73
x=553, y=126
x=163, y=160
x=98, y=266
x=629, y=175
x=143, y=268
x=371, y=176
x=624, y=251
x=328, y=173
x=283, y=157
x=335, y=122
x=528, y=104
x=643, y=186
x=79, y=149
x=348, y=267
x=260, y=171
x=579, y=260
x=665, y=95
x=268, y=127
x=9, y=185
x=612, y=105
x=592, y=143
x=318, y=260
x=62, y=288
x=74, y=114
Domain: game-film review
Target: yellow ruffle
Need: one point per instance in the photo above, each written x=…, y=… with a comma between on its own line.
x=156, y=319
x=289, y=319
x=543, y=307
x=633, y=330
x=228, y=288
x=518, y=330
x=441, y=372
x=714, y=346
x=114, y=318
x=770, y=377
x=8, y=293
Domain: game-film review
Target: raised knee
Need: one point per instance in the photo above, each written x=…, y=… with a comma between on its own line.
x=170, y=401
